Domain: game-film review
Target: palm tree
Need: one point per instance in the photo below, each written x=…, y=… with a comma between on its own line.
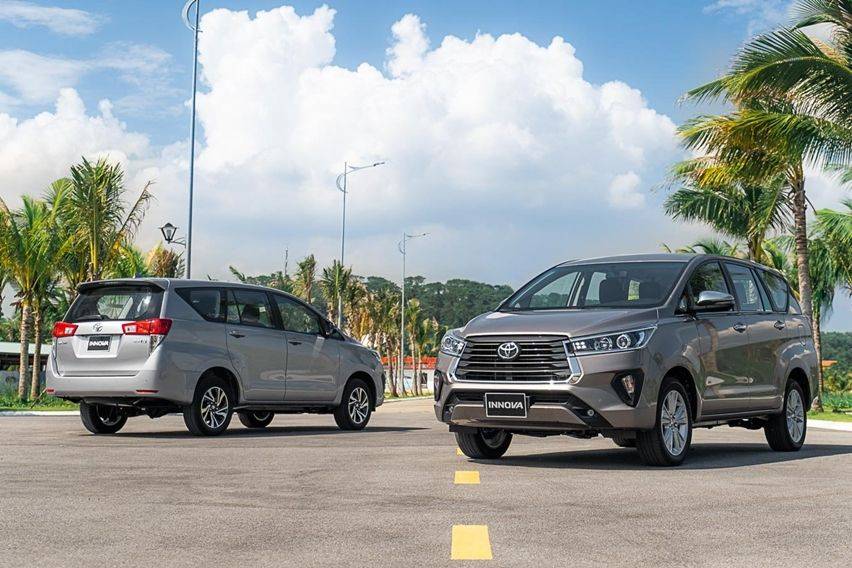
x=741, y=209
x=94, y=214
x=164, y=263
x=30, y=248
x=795, y=108
x=130, y=264
x=306, y=275
x=413, y=319
x=334, y=282
x=709, y=246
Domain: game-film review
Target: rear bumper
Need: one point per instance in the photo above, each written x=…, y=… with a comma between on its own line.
x=147, y=383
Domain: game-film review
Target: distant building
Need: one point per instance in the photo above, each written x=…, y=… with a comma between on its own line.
x=10, y=353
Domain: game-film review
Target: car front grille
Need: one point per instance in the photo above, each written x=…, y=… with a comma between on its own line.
x=540, y=358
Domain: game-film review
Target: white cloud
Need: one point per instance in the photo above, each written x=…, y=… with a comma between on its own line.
x=411, y=44
x=623, y=191
x=66, y=21
x=37, y=79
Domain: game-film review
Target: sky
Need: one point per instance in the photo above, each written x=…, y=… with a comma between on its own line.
x=516, y=134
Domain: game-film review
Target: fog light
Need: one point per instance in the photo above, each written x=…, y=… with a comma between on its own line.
x=629, y=384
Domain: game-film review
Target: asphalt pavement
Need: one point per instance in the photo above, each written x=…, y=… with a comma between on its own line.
x=303, y=493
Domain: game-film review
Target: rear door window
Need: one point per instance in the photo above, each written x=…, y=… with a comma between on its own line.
x=777, y=291
x=130, y=302
x=206, y=301
x=249, y=307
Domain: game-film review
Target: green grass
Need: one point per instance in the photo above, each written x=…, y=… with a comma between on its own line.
x=9, y=401
x=833, y=416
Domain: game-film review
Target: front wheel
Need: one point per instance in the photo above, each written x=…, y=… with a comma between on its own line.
x=785, y=432
x=668, y=443
x=101, y=418
x=484, y=443
x=211, y=408
x=355, y=407
x=255, y=419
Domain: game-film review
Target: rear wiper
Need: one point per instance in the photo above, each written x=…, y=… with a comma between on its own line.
x=93, y=317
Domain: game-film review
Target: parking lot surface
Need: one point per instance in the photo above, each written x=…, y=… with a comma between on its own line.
x=303, y=493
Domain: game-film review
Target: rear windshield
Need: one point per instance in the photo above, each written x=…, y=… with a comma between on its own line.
x=604, y=285
x=125, y=302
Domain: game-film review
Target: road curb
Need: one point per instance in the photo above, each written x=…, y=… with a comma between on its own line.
x=14, y=413
x=830, y=425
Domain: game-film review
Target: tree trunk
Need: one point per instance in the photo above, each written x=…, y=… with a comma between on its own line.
x=817, y=404
x=802, y=265
x=34, y=384
x=25, y=351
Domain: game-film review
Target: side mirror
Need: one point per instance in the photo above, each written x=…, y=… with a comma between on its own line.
x=712, y=301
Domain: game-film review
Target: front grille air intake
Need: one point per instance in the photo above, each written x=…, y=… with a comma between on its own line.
x=540, y=358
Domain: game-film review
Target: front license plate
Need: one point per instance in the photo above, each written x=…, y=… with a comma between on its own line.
x=99, y=343
x=505, y=405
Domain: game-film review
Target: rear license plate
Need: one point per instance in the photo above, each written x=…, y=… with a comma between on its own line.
x=505, y=405
x=99, y=343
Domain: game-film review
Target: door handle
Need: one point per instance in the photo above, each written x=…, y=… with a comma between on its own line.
x=779, y=325
x=294, y=342
x=236, y=334
x=740, y=327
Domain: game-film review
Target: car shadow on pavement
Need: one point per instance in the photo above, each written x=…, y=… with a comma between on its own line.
x=271, y=432
x=701, y=456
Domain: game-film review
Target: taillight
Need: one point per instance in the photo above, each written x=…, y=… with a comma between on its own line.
x=156, y=326
x=63, y=329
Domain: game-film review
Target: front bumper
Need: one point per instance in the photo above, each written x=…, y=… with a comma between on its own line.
x=590, y=404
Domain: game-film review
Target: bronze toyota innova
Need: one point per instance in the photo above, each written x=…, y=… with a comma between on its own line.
x=640, y=349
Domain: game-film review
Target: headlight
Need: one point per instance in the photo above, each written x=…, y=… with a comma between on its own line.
x=452, y=344
x=612, y=342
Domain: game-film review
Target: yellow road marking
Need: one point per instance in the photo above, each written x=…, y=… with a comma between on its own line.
x=459, y=452
x=467, y=478
x=470, y=542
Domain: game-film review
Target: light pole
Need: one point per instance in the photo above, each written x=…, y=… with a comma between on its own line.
x=402, y=248
x=194, y=27
x=169, y=232
x=341, y=185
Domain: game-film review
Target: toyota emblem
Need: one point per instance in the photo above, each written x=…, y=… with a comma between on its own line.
x=98, y=328
x=508, y=351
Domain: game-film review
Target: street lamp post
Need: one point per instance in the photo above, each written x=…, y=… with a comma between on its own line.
x=169, y=231
x=402, y=248
x=194, y=27
x=341, y=185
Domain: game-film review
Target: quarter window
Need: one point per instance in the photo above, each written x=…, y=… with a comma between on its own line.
x=745, y=287
x=249, y=307
x=296, y=317
x=206, y=301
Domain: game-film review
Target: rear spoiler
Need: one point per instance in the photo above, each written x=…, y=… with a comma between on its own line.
x=119, y=282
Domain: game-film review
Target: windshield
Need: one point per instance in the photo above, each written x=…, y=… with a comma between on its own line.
x=606, y=285
x=125, y=302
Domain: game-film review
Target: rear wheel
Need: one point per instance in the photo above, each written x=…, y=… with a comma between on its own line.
x=785, y=432
x=101, y=418
x=211, y=408
x=623, y=441
x=255, y=419
x=356, y=406
x=484, y=444
x=668, y=443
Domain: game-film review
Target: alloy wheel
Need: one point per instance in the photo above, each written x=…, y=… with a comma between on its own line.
x=674, y=422
x=214, y=407
x=795, y=415
x=359, y=405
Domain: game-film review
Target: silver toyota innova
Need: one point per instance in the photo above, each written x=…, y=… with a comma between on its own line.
x=640, y=349
x=206, y=349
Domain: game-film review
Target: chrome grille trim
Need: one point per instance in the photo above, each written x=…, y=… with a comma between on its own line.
x=543, y=359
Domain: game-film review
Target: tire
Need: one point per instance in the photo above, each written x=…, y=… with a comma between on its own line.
x=623, y=441
x=211, y=408
x=102, y=418
x=668, y=443
x=255, y=419
x=356, y=406
x=484, y=444
x=786, y=432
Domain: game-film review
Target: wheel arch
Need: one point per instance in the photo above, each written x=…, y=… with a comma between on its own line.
x=685, y=377
x=229, y=378
x=799, y=375
x=371, y=385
